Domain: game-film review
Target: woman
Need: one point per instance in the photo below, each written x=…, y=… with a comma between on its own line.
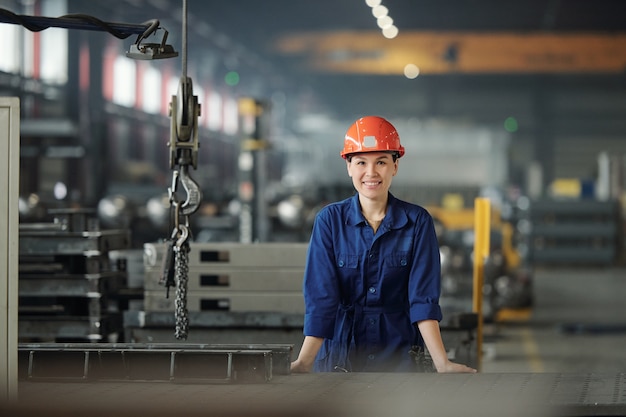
x=372, y=278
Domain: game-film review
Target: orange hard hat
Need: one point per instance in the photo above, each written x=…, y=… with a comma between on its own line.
x=372, y=134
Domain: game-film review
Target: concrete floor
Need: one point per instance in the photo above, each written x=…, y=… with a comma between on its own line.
x=578, y=324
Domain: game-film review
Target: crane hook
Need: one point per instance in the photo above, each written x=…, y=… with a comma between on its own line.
x=194, y=194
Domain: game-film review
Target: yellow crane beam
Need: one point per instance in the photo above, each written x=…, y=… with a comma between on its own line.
x=459, y=52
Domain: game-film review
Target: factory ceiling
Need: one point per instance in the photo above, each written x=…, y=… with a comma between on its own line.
x=337, y=49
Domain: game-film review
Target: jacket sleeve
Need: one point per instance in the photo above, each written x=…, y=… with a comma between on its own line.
x=425, y=276
x=320, y=287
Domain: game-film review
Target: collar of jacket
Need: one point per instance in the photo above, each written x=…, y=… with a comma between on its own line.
x=395, y=218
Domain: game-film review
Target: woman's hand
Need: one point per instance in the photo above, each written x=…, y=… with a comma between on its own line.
x=306, y=358
x=298, y=367
x=452, y=367
x=432, y=337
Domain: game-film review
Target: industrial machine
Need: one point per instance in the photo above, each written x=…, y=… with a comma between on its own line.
x=507, y=276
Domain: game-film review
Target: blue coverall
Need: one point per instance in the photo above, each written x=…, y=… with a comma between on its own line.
x=364, y=292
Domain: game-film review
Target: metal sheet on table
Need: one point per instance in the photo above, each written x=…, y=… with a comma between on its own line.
x=85, y=285
x=234, y=279
x=209, y=300
x=127, y=362
x=50, y=328
x=234, y=255
x=82, y=243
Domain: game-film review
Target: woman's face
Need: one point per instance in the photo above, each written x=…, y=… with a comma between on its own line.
x=372, y=172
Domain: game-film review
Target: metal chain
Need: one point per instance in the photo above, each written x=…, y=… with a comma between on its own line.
x=182, y=277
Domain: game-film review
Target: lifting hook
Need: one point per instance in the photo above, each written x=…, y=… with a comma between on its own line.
x=193, y=197
x=194, y=194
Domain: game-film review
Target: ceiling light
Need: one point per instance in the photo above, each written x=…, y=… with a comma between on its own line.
x=380, y=11
x=411, y=71
x=390, y=32
x=384, y=22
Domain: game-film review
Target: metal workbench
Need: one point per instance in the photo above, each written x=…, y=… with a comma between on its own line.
x=337, y=394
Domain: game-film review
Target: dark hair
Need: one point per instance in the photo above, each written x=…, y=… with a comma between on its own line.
x=394, y=155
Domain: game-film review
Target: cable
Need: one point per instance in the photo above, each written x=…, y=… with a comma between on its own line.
x=79, y=21
x=184, y=51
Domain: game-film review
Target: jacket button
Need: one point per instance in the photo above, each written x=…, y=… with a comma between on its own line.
x=403, y=262
x=340, y=263
x=372, y=290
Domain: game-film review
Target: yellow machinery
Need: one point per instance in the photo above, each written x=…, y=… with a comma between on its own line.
x=507, y=285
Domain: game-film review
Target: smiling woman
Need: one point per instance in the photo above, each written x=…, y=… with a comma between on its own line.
x=372, y=278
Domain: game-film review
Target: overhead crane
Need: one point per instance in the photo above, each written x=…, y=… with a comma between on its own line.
x=434, y=52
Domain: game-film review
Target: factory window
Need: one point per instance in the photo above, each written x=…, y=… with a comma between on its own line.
x=151, y=90
x=54, y=56
x=42, y=55
x=54, y=43
x=9, y=58
x=124, y=81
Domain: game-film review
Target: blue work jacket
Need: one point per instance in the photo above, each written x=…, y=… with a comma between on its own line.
x=364, y=292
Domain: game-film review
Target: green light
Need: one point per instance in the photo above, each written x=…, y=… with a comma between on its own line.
x=232, y=78
x=510, y=124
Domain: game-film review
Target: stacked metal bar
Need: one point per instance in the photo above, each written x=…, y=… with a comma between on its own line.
x=232, y=277
x=238, y=294
x=68, y=285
